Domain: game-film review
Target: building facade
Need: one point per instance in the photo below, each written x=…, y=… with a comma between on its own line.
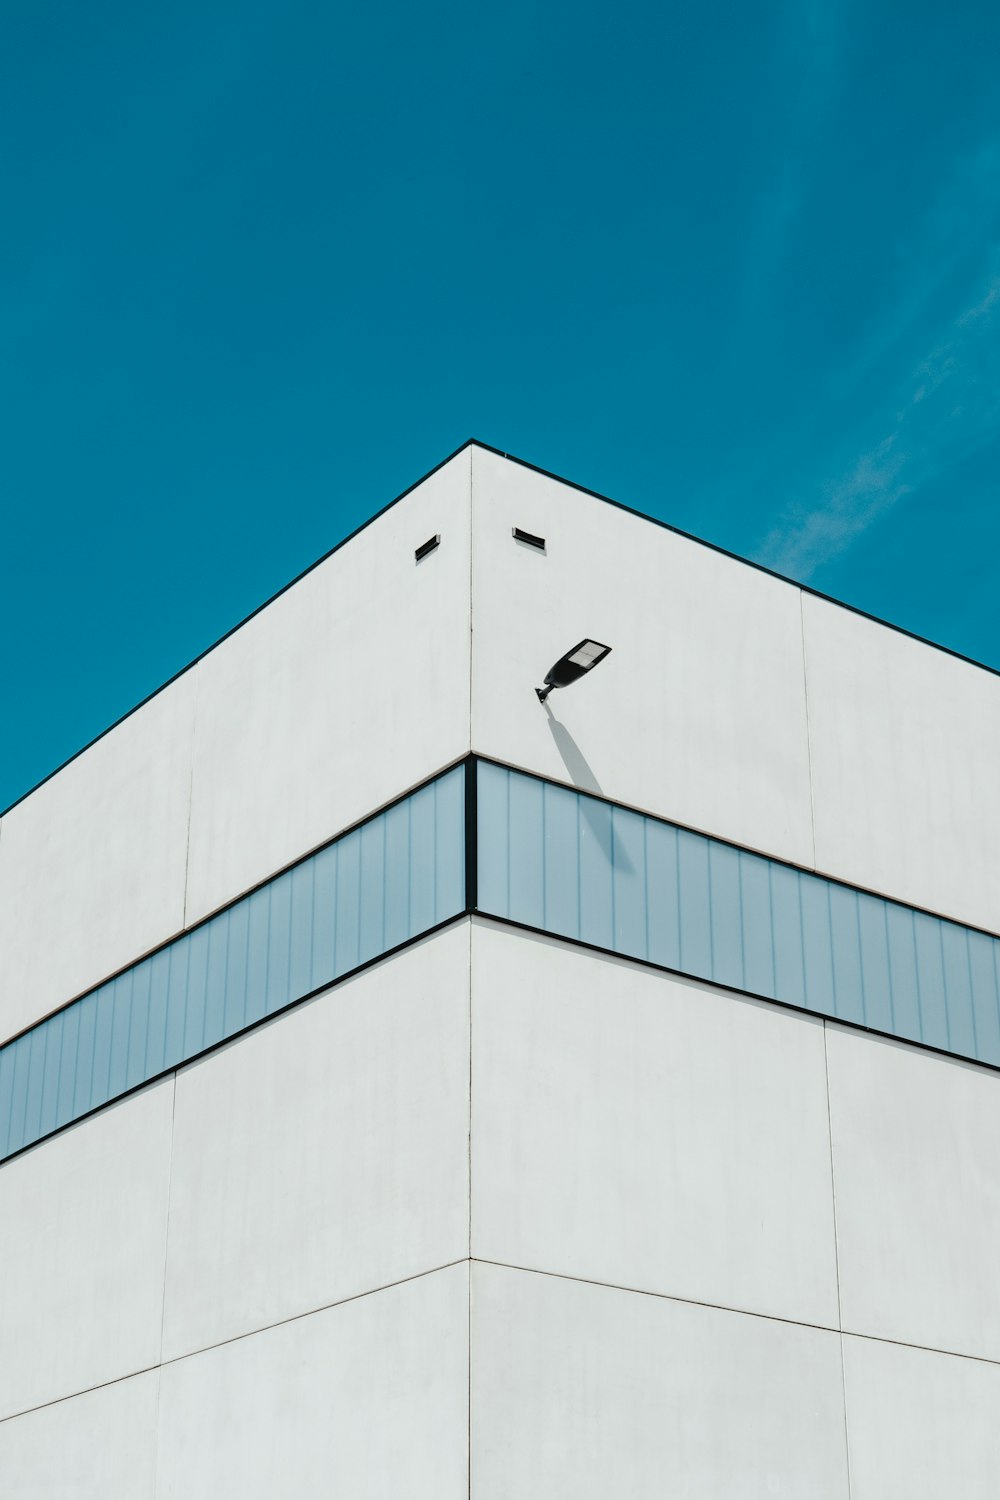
x=408, y=1088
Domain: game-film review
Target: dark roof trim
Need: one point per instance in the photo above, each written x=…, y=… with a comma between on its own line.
x=747, y=562
x=233, y=628
x=546, y=474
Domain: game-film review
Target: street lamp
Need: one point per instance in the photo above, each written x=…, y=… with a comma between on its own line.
x=582, y=659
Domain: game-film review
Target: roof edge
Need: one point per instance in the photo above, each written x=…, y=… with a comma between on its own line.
x=748, y=562
x=523, y=463
x=238, y=626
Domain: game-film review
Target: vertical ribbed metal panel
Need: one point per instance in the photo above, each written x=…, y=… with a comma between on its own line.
x=578, y=867
x=397, y=875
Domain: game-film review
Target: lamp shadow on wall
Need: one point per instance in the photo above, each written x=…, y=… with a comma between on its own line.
x=596, y=815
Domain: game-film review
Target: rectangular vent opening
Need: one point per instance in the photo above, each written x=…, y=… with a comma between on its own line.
x=428, y=546
x=528, y=538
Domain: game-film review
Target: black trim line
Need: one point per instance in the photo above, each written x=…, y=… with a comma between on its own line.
x=747, y=562
x=553, y=937
x=582, y=489
x=471, y=908
x=239, y=624
x=369, y=963
x=470, y=761
x=716, y=838
x=471, y=835
x=819, y=1016
x=217, y=911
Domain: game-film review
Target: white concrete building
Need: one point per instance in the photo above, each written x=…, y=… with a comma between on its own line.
x=409, y=1089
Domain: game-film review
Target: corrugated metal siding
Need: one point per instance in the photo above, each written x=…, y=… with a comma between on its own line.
x=578, y=867
x=384, y=883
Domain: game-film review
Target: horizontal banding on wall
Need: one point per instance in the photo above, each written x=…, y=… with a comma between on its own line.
x=487, y=838
x=383, y=884
x=579, y=867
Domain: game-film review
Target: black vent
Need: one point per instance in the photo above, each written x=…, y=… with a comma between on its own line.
x=528, y=538
x=428, y=546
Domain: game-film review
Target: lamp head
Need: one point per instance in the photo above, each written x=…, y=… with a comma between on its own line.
x=583, y=658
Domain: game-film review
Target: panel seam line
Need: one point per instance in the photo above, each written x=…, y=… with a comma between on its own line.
x=741, y=1312
x=236, y=1338
x=836, y=1254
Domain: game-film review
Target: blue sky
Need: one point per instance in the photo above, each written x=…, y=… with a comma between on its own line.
x=263, y=264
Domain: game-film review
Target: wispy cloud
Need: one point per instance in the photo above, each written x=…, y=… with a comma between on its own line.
x=946, y=408
x=960, y=217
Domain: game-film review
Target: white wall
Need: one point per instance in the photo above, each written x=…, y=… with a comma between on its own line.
x=581, y=1392
x=917, y=1174
x=649, y=1155
x=344, y=692
x=648, y=1132
x=97, y=1446
x=368, y=1399
x=83, y=1222
x=309, y=1162
x=355, y=685
x=732, y=702
x=903, y=741
x=922, y=1425
x=698, y=714
x=350, y=688
x=282, y=1232
x=650, y=1158
x=92, y=863
x=325, y=1154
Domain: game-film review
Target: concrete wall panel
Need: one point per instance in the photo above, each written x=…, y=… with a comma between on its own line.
x=348, y=689
x=699, y=713
x=922, y=1425
x=647, y=1131
x=904, y=762
x=311, y=715
x=917, y=1178
x=92, y=863
x=580, y=1392
x=83, y=1225
x=325, y=1154
x=97, y=1446
x=366, y=1399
